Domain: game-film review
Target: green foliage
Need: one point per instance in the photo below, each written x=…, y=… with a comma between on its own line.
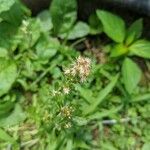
x=95, y=24
x=63, y=14
x=45, y=21
x=8, y=75
x=134, y=31
x=5, y=136
x=101, y=96
x=113, y=25
x=54, y=96
x=131, y=75
x=6, y=5
x=118, y=50
x=141, y=48
x=80, y=30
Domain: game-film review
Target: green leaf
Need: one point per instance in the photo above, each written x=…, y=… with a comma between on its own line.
x=14, y=15
x=7, y=32
x=8, y=74
x=45, y=20
x=105, y=113
x=32, y=35
x=6, y=5
x=87, y=94
x=3, y=52
x=141, y=97
x=16, y=116
x=102, y=95
x=80, y=121
x=69, y=144
x=63, y=14
x=134, y=31
x=131, y=74
x=6, y=137
x=140, y=48
x=80, y=30
x=114, y=26
x=46, y=48
x=118, y=50
x=146, y=146
x=95, y=24
x=6, y=107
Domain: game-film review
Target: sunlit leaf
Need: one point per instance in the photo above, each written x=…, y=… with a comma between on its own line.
x=113, y=25
x=131, y=74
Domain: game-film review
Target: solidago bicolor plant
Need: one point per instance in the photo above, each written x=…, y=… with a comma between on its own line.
x=63, y=107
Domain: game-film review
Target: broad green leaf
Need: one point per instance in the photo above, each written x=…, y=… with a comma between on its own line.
x=101, y=96
x=134, y=31
x=6, y=5
x=45, y=20
x=81, y=29
x=7, y=33
x=140, y=48
x=64, y=14
x=16, y=116
x=14, y=15
x=131, y=74
x=6, y=137
x=5, y=108
x=46, y=48
x=95, y=24
x=8, y=74
x=118, y=50
x=113, y=25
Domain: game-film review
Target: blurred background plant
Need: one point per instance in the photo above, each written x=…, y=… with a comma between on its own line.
x=47, y=104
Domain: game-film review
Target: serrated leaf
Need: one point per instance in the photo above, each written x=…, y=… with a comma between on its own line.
x=8, y=74
x=64, y=14
x=134, y=31
x=113, y=25
x=140, y=48
x=131, y=74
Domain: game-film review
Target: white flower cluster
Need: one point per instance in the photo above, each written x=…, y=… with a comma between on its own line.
x=80, y=68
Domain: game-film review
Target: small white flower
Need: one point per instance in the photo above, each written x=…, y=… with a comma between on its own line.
x=66, y=90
